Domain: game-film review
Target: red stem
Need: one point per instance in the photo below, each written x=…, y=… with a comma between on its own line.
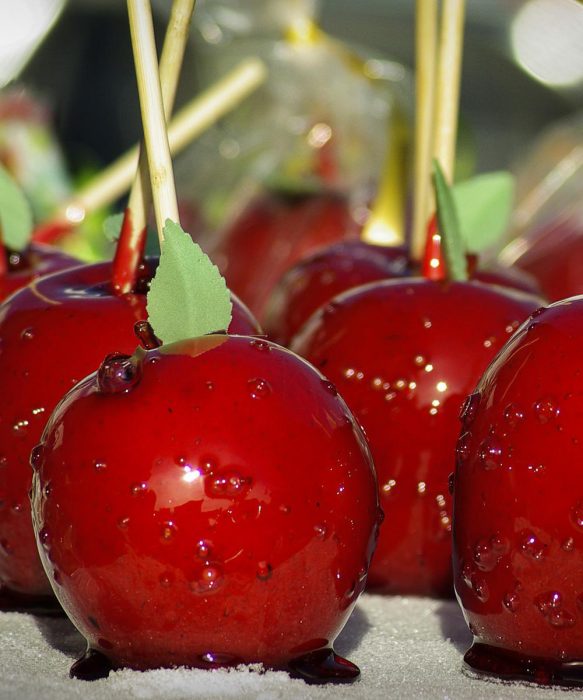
x=51, y=231
x=129, y=253
x=433, y=265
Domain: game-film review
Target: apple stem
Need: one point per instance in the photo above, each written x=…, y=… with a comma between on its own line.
x=425, y=60
x=386, y=223
x=188, y=123
x=145, y=334
x=132, y=241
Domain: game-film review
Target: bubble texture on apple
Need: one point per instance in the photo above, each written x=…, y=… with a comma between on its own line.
x=214, y=499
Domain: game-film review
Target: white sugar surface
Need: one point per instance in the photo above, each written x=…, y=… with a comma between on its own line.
x=405, y=647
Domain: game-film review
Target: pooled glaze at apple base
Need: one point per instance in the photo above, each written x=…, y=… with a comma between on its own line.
x=518, y=508
x=404, y=354
x=52, y=334
x=232, y=521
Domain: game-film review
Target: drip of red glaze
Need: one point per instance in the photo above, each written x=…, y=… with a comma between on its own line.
x=51, y=231
x=92, y=666
x=323, y=666
x=41, y=605
x=146, y=336
x=118, y=374
x=129, y=253
x=433, y=265
x=512, y=666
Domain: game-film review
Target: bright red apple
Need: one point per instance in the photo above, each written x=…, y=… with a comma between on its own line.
x=518, y=508
x=207, y=503
x=404, y=354
x=52, y=334
x=316, y=279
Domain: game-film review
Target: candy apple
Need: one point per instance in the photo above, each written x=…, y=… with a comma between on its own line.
x=316, y=279
x=53, y=333
x=236, y=527
x=313, y=281
x=273, y=232
x=553, y=255
x=404, y=354
x=518, y=513
x=34, y=262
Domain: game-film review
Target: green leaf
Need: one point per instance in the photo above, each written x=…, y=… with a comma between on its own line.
x=112, y=227
x=484, y=205
x=188, y=297
x=449, y=228
x=15, y=213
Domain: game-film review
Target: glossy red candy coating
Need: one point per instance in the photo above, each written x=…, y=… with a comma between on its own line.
x=404, y=354
x=518, y=503
x=221, y=504
x=37, y=260
x=313, y=281
x=510, y=277
x=553, y=255
x=52, y=334
x=272, y=233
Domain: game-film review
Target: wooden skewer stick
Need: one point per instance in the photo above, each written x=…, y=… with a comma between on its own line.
x=425, y=69
x=152, y=111
x=448, y=84
x=131, y=244
x=170, y=65
x=191, y=121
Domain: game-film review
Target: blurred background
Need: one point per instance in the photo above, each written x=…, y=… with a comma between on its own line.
x=523, y=66
x=338, y=99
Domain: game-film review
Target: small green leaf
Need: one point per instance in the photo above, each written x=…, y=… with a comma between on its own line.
x=112, y=227
x=449, y=228
x=15, y=213
x=484, y=205
x=188, y=297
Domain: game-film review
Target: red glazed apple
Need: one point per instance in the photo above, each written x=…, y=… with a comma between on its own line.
x=37, y=260
x=207, y=503
x=553, y=255
x=273, y=233
x=404, y=354
x=52, y=334
x=313, y=281
x=518, y=508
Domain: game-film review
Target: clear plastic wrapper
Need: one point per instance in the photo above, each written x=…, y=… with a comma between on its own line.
x=318, y=129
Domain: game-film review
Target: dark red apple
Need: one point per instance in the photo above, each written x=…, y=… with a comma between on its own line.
x=313, y=281
x=52, y=334
x=34, y=262
x=518, y=508
x=316, y=279
x=553, y=255
x=207, y=503
x=272, y=233
x=404, y=354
